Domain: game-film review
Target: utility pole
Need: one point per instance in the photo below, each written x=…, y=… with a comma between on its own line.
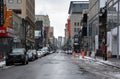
x=24, y=26
x=103, y=19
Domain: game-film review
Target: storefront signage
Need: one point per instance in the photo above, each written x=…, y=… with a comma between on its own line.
x=6, y=32
x=2, y=31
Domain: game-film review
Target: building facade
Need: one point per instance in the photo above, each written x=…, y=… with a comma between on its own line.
x=19, y=31
x=46, y=26
x=75, y=15
x=103, y=25
x=93, y=23
x=26, y=10
x=51, y=32
x=39, y=34
x=45, y=19
x=60, y=39
x=83, y=38
x=113, y=27
x=51, y=35
x=66, y=34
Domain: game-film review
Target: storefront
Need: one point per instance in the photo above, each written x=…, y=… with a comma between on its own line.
x=93, y=31
x=113, y=27
x=6, y=40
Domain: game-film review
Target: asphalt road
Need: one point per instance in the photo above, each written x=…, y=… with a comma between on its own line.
x=54, y=66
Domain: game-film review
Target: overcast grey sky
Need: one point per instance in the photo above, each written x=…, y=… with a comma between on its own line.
x=57, y=10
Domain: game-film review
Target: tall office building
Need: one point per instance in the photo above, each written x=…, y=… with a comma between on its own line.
x=60, y=39
x=66, y=33
x=75, y=16
x=44, y=18
x=46, y=25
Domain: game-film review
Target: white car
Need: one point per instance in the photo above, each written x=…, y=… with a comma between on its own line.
x=68, y=51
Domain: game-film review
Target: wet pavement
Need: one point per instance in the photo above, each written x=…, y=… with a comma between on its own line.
x=54, y=66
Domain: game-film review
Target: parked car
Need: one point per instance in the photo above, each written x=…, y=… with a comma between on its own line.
x=30, y=55
x=35, y=54
x=17, y=55
x=68, y=51
x=45, y=50
x=40, y=53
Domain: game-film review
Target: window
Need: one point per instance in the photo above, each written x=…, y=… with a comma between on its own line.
x=10, y=1
x=74, y=23
x=19, y=1
x=74, y=29
x=78, y=24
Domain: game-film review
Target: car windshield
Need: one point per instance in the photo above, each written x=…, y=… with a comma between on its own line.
x=17, y=51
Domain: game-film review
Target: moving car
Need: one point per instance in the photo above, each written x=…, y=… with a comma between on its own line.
x=17, y=55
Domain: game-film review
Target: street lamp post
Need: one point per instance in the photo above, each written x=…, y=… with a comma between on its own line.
x=24, y=22
x=103, y=16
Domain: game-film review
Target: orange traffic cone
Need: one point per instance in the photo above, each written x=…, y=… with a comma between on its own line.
x=83, y=54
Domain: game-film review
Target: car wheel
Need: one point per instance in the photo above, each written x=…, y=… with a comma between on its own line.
x=8, y=63
x=24, y=63
x=27, y=62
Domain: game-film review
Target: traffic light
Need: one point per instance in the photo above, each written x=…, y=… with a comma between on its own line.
x=1, y=13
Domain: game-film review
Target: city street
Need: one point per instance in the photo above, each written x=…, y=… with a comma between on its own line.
x=55, y=66
x=60, y=39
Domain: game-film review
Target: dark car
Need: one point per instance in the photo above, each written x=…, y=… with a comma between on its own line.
x=17, y=55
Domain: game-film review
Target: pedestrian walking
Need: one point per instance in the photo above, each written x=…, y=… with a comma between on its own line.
x=83, y=53
x=1, y=57
x=103, y=48
x=74, y=54
x=96, y=51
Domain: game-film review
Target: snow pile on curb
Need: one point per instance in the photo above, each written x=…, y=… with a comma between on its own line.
x=102, y=61
x=99, y=61
x=106, y=62
x=2, y=63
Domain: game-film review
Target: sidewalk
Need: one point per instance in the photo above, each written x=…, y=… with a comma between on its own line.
x=111, y=61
